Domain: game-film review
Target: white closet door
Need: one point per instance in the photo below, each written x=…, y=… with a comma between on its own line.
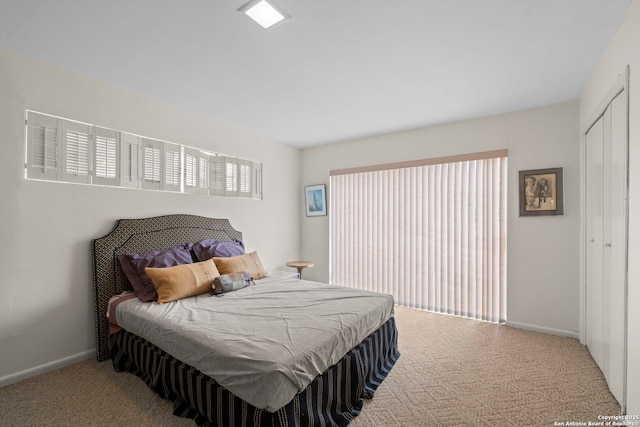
x=616, y=246
x=595, y=243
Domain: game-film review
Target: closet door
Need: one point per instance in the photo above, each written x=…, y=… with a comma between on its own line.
x=615, y=256
x=606, y=243
x=595, y=242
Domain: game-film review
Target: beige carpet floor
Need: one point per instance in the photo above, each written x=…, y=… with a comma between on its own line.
x=452, y=372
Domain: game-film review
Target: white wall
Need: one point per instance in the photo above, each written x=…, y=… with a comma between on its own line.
x=543, y=262
x=624, y=50
x=47, y=315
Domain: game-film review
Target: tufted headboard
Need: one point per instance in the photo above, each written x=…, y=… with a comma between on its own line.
x=143, y=235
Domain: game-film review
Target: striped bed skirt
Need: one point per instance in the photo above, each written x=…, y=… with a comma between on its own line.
x=332, y=399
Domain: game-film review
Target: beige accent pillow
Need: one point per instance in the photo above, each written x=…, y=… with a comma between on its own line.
x=182, y=281
x=248, y=262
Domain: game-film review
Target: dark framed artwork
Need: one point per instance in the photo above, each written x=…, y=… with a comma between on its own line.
x=315, y=200
x=541, y=192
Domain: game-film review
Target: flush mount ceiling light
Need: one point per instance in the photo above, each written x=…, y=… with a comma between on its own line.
x=266, y=13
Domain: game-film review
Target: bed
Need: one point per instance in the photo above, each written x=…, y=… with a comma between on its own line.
x=331, y=381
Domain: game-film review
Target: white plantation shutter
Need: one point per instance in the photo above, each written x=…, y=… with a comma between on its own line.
x=151, y=164
x=42, y=146
x=130, y=160
x=106, y=156
x=244, y=178
x=217, y=176
x=171, y=167
x=256, y=185
x=203, y=173
x=190, y=170
x=77, y=152
x=231, y=173
x=433, y=235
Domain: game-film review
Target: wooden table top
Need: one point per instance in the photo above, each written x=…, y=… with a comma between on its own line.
x=300, y=264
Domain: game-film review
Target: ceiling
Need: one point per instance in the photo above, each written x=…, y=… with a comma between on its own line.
x=338, y=70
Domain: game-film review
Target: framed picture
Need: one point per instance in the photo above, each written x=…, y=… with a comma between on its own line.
x=541, y=192
x=315, y=200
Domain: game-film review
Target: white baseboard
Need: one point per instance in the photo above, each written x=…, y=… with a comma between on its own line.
x=544, y=330
x=47, y=367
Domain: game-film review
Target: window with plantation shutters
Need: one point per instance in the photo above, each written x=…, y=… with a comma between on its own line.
x=197, y=171
x=64, y=150
x=106, y=156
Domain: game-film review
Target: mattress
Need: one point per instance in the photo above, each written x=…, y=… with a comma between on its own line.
x=264, y=343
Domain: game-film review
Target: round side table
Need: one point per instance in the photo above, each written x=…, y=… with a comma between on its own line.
x=300, y=265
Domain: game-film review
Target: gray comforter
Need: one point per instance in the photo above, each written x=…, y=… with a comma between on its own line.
x=264, y=343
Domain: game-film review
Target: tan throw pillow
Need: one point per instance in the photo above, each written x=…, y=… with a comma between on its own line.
x=248, y=262
x=182, y=281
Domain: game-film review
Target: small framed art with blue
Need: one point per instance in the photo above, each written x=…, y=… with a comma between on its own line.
x=315, y=200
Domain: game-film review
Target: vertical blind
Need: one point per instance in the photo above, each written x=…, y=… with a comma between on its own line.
x=431, y=233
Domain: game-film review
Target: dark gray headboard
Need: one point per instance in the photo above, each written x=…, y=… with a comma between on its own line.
x=142, y=235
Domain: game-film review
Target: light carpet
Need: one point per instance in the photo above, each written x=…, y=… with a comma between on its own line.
x=452, y=372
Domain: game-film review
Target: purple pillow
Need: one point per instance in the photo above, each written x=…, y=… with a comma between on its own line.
x=228, y=249
x=203, y=248
x=209, y=248
x=133, y=266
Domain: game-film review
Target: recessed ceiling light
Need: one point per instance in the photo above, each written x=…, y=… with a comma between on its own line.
x=266, y=13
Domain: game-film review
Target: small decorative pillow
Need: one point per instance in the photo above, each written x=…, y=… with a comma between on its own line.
x=182, y=281
x=248, y=262
x=230, y=282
